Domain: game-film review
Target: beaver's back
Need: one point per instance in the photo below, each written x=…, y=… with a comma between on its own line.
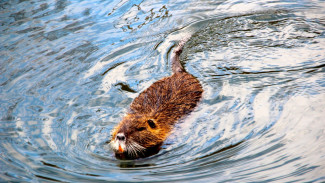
x=170, y=98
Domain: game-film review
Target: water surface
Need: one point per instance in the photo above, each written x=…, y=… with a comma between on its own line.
x=70, y=69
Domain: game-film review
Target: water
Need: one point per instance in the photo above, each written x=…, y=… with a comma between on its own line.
x=70, y=69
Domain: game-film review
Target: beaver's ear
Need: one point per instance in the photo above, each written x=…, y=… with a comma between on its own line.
x=151, y=123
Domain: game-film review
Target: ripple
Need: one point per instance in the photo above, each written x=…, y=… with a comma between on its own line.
x=69, y=71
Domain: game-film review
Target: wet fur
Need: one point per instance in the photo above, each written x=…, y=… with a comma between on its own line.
x=164, y=103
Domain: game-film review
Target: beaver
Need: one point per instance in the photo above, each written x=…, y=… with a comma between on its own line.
x=154, y=112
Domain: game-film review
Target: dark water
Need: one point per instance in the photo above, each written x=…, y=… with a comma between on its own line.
x=70, y=69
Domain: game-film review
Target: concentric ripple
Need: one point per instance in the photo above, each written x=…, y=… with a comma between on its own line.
x=69, y=71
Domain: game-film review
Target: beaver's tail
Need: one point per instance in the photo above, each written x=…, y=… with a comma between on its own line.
x=176, y=64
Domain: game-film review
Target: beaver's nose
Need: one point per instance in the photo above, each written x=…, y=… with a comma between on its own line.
x=120, y=136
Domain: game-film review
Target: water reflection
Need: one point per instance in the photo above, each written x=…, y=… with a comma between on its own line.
x=69, y=70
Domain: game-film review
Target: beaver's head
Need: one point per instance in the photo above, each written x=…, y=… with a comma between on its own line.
x=138, y=136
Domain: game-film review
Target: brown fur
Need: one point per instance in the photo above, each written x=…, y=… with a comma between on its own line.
x=155, y=111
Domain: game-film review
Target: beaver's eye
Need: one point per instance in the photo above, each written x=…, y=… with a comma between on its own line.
x=141, y=129
x=151, y=123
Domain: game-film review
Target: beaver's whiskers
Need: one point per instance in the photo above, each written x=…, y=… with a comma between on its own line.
x=133, y=149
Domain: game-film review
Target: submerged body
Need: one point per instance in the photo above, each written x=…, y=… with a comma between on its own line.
x=154, y=112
